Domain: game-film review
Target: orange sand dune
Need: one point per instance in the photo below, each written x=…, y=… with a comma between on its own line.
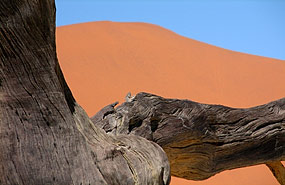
x=103, y=61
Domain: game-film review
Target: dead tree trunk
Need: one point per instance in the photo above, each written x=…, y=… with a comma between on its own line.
x=45, y=137
x=202, y=140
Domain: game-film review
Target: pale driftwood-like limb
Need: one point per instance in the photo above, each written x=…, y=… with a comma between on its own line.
x=202, y=140
x=278, y=171
x=45, y=136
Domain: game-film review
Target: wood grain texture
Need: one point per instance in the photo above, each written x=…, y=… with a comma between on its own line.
x=278, y=171
x=45, y=136
x=201, y=140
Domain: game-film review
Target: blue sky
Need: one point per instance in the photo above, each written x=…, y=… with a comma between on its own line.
x=250, y=26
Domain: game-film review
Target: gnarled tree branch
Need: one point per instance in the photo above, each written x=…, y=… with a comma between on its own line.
x=278, y=171
x=201, y=140
x=45, y=136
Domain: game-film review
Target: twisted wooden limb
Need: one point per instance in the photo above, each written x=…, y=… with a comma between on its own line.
x=202, y=140
x=45, y=136
x=278, y=171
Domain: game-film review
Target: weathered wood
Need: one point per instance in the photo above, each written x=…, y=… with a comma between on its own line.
x=45, y=136
x=202, y=140
x=278, y=171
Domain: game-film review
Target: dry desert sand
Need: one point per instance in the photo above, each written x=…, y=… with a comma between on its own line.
x=103, y=61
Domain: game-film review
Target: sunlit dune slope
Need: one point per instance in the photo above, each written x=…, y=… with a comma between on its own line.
x=103, y=61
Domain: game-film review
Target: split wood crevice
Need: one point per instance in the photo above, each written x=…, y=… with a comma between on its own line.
x=47, y=138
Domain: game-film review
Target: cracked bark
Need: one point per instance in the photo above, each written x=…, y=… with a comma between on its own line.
x=278, y=171
x=202, y=140
x=45, y=136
